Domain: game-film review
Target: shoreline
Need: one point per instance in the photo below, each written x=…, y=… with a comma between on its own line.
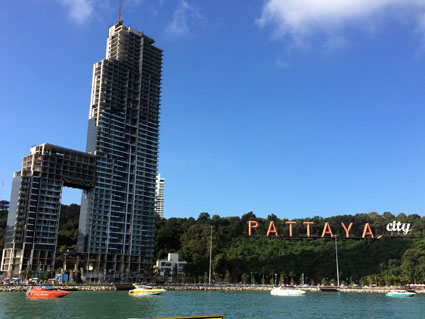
x=112, y=287
x=382, y=290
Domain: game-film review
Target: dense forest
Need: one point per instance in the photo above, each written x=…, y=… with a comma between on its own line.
x=237, y=257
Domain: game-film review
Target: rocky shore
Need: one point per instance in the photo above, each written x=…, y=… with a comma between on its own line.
x=111, y=287
x=20, y=288
x=268, y=288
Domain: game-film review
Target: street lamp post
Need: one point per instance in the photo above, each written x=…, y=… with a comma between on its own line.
x=28, y=269
x=336, y=257
x=64, y=257
x=209, y=277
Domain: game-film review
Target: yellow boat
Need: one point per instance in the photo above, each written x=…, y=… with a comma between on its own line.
x=141, y=290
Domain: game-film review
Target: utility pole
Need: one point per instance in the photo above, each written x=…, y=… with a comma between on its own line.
x=28, y=269
x=336, y=257
x=64, y=257
x=209, y=277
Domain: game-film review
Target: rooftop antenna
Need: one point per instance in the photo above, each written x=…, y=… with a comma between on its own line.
x=119, y=14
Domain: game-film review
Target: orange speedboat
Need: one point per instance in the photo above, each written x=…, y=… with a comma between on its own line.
x=45, y=292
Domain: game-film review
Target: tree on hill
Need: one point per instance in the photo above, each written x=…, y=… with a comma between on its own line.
x=68, y=227
x=238, y=257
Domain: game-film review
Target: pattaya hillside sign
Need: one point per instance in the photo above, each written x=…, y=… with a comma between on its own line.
x=395, y=226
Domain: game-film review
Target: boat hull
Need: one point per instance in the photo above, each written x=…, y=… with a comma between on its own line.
x=41, y=293
x=286, y=292
x=400, y=294
x=145, y=292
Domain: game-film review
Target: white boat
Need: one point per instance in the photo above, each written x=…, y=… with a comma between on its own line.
x=284, y=291
x=141, y=290
x=400, y=293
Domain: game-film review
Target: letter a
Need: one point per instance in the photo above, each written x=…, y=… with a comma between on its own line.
x=251, y=225
x=272, y=229
x=327, y=230
x=367, y=231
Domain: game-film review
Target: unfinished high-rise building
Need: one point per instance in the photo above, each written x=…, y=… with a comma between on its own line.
x=117, y=215
x=117, y=173
x=159, y=195
x=33, y=219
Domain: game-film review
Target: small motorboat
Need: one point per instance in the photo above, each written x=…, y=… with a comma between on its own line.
x=284, y=291
x=400, y=293
x=142, y=290
x=45, y=292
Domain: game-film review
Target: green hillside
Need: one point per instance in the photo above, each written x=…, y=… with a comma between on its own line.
x=237, y=257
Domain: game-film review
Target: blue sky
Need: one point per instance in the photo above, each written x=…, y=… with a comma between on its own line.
x=293, y=107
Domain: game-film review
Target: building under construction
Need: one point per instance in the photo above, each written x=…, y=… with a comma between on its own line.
x=116, y=173
x=33, y=220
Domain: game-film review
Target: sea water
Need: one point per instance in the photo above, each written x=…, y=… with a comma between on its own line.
x=258, y=304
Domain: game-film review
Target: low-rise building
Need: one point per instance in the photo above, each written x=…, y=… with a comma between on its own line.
x=170, y=268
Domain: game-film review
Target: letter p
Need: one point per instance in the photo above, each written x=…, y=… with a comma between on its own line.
x=251, y=225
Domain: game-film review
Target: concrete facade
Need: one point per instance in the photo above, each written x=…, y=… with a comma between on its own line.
x=117, y=216
x=159, y=195
x=33, y=220
x=171, y=267
x=117, y=173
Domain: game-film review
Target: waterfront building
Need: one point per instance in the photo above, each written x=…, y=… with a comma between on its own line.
x=117, y=217
x=171, y=267
x=33, y=219
x=117, y=173
x=159, y=195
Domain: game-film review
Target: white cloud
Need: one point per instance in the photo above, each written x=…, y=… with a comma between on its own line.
x=78, y=10
x=184, y=17
x=300, y=19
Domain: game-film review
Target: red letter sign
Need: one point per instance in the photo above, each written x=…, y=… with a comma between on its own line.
x=252, y=224
x=290, y=227
x=347, y=230
x=367, y=231
x=308, y=227
x=272, y=229
x=327, y=230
